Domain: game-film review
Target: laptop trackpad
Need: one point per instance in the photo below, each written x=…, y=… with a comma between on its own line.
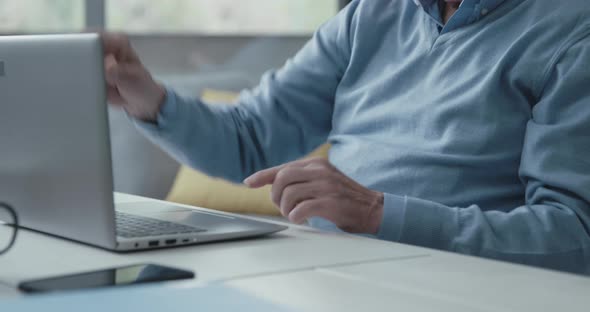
x=210, y=221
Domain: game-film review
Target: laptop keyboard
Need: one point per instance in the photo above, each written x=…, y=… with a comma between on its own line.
x=133, y=226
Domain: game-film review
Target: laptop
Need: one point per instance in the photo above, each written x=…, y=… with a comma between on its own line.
x=55, y=154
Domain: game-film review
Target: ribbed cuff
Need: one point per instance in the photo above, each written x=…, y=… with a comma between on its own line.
x=394, y=210
x=428, y=224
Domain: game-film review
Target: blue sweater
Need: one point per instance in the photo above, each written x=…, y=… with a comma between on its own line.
x=478, y=131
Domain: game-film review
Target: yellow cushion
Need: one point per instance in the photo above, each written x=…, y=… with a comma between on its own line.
x=218, y=97
x=195, y=188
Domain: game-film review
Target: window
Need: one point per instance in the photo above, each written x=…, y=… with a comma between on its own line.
x=18, y=16
x=219, y=16
x=215, y=17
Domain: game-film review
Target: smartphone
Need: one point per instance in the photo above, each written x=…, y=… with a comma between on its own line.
x=123, y=276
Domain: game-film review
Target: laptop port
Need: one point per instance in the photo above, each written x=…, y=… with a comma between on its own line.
x=186, y=240
x=170, y=242
x=154, y=243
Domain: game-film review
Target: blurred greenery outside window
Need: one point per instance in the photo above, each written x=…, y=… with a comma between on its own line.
x=207, y=17
x=30, y=16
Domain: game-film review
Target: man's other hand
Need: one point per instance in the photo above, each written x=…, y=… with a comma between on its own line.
x=314, y=188
x=129, y=84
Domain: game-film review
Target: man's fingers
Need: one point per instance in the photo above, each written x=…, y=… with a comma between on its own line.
x=121, y=79
x=311, y=208
x=262, y=178
x=109, y=61
x=111, y=70
x=267, y=176
x=133, y=74
x=289, y=176
x=114, y=44
x=297, y=193
x=121, y=75
x=118, y=45
x=114, y=97
x=111, y=77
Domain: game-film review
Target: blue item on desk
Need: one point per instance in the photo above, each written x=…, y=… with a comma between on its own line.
x=145, y=299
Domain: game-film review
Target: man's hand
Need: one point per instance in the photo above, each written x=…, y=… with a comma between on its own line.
x=129, y=84
x=314, y=188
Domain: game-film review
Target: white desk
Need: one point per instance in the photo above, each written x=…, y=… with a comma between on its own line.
x=312, y=271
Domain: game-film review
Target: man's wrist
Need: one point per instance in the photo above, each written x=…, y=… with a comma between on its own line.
x=376, y=213
x=161, y=99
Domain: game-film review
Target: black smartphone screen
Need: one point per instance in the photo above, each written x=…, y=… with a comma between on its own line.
x=129, y=275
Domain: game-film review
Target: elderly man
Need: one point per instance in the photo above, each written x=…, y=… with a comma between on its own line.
x=457, y=125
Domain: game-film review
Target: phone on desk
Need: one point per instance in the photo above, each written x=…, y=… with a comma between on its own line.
x=123, y=276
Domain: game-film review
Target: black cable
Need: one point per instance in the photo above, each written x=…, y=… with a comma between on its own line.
x=14, y=225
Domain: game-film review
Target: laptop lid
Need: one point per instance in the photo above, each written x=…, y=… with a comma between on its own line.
x=55, y=159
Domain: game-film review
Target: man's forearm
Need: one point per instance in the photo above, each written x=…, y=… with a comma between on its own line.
x=200, y=136
x=550, y=236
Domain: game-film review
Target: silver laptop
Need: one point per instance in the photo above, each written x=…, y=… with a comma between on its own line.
x=55, y=157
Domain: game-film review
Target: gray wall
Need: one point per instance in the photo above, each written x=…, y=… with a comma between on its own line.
x=177, y=54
